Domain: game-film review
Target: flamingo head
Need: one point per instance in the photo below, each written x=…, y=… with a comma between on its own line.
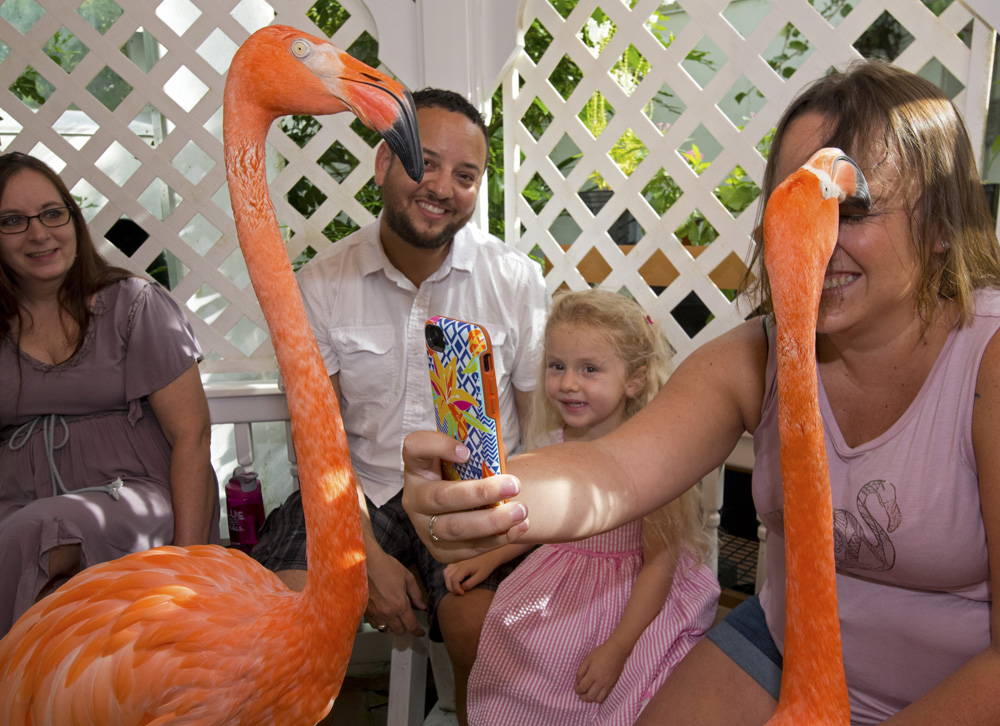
x=281, y=71
x=801, y=220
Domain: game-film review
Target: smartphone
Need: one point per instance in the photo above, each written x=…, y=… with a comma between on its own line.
x=464, y=388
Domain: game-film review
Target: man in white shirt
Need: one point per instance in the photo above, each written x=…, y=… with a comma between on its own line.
x=367, y=297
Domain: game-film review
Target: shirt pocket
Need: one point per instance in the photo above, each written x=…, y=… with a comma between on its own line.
x=369, y=363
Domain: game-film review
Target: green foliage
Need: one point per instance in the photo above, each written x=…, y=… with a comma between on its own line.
x=329, y=16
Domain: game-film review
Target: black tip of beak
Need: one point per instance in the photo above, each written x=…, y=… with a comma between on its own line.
x=860, y=197
x=403, y=137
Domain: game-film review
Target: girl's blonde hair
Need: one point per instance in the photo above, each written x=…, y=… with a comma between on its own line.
x=643, y=349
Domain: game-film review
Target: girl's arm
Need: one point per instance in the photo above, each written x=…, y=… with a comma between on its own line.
x=968, y=696
x=602, y=667
x=182, y=410
x=460, y=577
x=575, y=490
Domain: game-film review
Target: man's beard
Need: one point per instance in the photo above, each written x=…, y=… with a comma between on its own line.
x=401, y=224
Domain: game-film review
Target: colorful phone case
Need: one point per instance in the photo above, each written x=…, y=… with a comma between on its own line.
x=464, y=389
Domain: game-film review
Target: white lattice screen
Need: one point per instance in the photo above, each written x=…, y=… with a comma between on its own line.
x=721, y=111
x=155, y=155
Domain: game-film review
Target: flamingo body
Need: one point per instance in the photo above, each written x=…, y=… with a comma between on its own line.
x=204, y=635
x=801, y=223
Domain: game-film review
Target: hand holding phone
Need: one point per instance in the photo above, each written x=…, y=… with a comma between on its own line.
x=463, y=385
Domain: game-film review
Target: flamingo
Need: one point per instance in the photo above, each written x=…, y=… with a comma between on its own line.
x=801, y=221
x=205, y=635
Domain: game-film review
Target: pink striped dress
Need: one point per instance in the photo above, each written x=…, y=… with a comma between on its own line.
x=562, y=602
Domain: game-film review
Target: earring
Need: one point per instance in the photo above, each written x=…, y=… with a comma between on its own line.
x=945, y=245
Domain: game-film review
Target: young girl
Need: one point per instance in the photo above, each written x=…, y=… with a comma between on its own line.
x=586, y=632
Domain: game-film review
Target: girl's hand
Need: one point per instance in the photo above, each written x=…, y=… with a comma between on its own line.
x=599, y=672
x=440, y=510
x=460, y=577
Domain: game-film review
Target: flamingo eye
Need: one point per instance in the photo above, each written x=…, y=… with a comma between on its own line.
x=300, y=49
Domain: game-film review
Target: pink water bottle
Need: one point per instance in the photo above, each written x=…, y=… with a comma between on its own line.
x=244, y=510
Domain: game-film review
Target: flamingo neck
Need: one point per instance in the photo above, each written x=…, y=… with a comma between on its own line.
x=336, y=589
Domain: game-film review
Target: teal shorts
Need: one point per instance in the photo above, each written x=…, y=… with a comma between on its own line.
x=744, y=637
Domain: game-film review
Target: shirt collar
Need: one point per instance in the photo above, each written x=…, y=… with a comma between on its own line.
x=460, y=257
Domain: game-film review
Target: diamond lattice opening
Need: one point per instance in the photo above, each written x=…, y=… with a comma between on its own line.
x=597, y=32
x=565, y=155
x=150, y=125
x=565, y=77
x=787, y=51
x=886, y=38
x=595, y=198
x=100, y=15
x=200, y=235
x=65, y=49
x=628, y=152
x=179, y=15
x=537, y=40
x=300, y=128
x=737, y=192
x=109, y=88
x=32, y=88
x=305, y=197
x=338, y=162
x=704, y=60
x=630, y=69
x=159, y=199
x=246, y=336
x=340, y=226
x=144, y=51
x=596, y=114
x=728, y=275
x=218, y=50
x=691, y=314
x=303, y=257
x=234, y=268
x=742, y=102
x=658, y=271
x=329, y=16
x=704, y=148
x=661, y=192
x=536, y=119
x=594, y=268
x=22, y=15
x=937, y=72
x=537, y=193
x=664, y=108
x=745, y=17
x=370, y=137
x=176, y=270
x=696, y=231
x=626, y=230
x=117, y=163
x=564, y=229
x=193, y=163
x=185, y=88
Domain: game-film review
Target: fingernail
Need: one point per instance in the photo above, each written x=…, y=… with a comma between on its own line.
x=509, y=487
x=518, y=512
x=462, y=452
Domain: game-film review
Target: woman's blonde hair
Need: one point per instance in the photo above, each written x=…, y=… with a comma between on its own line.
x=890, y=120
x=643, y=349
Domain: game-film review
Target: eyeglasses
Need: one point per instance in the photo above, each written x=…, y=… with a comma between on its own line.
x=17, y=223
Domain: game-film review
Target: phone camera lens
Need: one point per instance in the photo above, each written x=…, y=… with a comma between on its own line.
x=435, y=338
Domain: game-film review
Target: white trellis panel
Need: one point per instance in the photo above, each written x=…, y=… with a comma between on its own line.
x=170, y=179
x=171, y=182
x=740, y=62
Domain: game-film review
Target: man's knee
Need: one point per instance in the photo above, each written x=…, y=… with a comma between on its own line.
x=461, y=618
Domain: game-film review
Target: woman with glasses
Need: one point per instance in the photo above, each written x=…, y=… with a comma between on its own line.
x=104, y=427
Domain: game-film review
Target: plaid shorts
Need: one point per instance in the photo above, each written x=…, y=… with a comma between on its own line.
x=282, y=546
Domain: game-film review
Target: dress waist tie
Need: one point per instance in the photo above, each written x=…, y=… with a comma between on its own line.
x=23, y=433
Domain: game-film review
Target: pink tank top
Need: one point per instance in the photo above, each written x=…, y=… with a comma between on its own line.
x=913, y=574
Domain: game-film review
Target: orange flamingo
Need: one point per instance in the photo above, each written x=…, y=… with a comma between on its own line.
x=800, y=232
x=204, y=635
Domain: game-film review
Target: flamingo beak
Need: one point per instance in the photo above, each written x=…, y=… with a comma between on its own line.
x=848, y=177
x=840, y=177
x=385, y=106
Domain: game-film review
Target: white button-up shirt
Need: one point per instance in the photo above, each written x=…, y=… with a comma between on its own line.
x=369, y=322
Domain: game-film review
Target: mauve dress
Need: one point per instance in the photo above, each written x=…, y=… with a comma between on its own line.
x=138, y=341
